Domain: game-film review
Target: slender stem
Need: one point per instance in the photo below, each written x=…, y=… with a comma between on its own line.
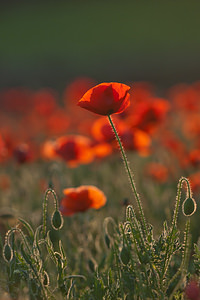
x=48, y=191
x=174, y=222
x=30, y=253
x=129, y=174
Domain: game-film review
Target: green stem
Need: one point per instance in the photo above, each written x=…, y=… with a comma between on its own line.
x=30, y=253
x=48, y=191
x=184, y=264
x=129, y=175
x=174, y=222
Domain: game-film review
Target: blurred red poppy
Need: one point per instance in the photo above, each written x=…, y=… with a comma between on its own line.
x=74, y=149
x=185, y=97
x=44, y=102
x=149, y=114
x=195, y=181
x=3, y=150
x=101, y=150
x=76, y=89
x=16, y=100
x=136, y=140
x=81, y=199
x=22, y=153
x=106, y=98
x=57, y=123
x=102, y=131
x=194, y=157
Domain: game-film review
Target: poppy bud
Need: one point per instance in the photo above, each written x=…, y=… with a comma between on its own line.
x=125, y=255
x=189, y=207
x=45, y=279
x=7, y=252
x=57, y=220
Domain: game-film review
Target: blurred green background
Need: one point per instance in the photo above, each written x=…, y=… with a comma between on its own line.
x=50, y=43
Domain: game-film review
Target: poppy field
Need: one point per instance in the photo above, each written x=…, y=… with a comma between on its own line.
x=99, y=190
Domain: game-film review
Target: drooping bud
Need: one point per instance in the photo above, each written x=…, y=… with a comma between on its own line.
x=45, y=279
x=7, y=252
x=57, y=220
x=189, y=207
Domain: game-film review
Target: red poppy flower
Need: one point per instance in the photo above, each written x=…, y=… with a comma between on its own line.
x=102, y=131
x=106, y=98
x=149, y=114
x=81, y=199
x=74, y=149
x=22, y=153
x=194, y=157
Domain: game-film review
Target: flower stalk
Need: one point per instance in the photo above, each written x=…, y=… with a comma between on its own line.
x=130, y=175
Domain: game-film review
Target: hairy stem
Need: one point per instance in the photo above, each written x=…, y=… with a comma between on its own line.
x=129, y=175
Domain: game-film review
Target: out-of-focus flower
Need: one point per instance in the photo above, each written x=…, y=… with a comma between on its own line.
x=195, y=181
x=102, y=131
x=73, y=149
x=76, y=89
x=194, y=157
x=191, y=126
x=101, y=150
x=192, y=290
x=81, y=199
x=157, y=171
x=185, y=97
x=57, y=123
x=106, y=98
x=3, y=150
x=136, y=140
x=176, y=147
x=149, y=114
x=16, y=100
x=22, y=153
x=44, y=102
x=4, y=182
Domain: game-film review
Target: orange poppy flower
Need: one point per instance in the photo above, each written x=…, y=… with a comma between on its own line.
x=102, y=131
x=81, y=199
x=106, y=98
x=101, y=150
x=74, y=149
x=135, y=139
